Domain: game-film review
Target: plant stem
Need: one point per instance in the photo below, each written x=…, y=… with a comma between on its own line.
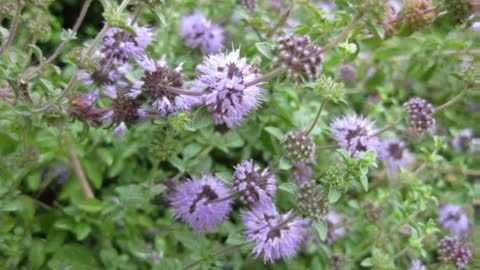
x=317, y=116
x=60, y=47
x=215, y=253
x=327, y=147
x=180, y=91
x=265, y=77
x=82, y=179
x=388, y=127
x=67, y=89
x=231, y=196
x=451, y=101
x=282, y=20
x=399, y=19
x=13, y=28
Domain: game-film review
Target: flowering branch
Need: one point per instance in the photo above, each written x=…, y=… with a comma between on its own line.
x=13, y=28
x=67, y=89
x=265, y=77
x=60, y=47
x=451, y=101
x=87, y=190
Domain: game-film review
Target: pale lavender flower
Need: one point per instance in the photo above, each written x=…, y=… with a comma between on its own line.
x=158, y=76
x=198, y=31
x=224, y=80
x=348, y=73
x=419, y=116
x=454, y=252
x=202, y=203
x=252, y=185
x=453, y=219
x=120, y=45
x=417, y=265
x=335, y=229
x=274, y=238
x=475, y=27
x=463, y=141
x=302, y=172
x=355, y=134
x=394, y=154
x=106, y=72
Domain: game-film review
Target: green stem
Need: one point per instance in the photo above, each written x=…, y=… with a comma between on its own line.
x=451, y=101
x=67, y=89
x=265, y=77
x=317, y=116
x=214, y=254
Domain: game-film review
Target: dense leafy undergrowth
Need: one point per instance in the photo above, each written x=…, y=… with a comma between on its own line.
x=190, y=134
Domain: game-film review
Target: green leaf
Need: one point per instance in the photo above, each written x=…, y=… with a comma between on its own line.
x=89, y=205
x=277, y=133
x=36, y=255
x=82, y=230
x=367, y=262
x=235, y=238
x=364, y=182
x=284, y=164
x=289, y=187
x=321, y=228
x=202, y=119
x=265, y=49
x=157, y=189
x=333, y=196
x=191, y=150
x=73, y=257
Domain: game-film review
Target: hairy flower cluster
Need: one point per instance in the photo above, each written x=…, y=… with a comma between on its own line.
x=394, y=154
x=337, y=179
x=252, y=185
x=355, y=134
x=298, y=56
x=371, y=211
x=198, y=31
x=125, y=111
x=454, y=253
x=453, y=219
x=275, y=235
x=226, y=81
x=202, y=203
x=375, y=8
x=156, y=84
x=459, y=10
x=298, y=145
x=417, y=13
x=312, y=200
x=419, y=116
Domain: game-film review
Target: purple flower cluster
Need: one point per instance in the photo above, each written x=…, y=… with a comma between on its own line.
x=454, y=252
x=202, y=203
x=355, y=134
x=335, y=229
x=463, y=141
x=453, y=219
x=275, y=235
x=419, y=116
x=394, y=154
x=226, y=81
x=252, y=185
x=417, y=265
x=198, y=31
x=302, y=172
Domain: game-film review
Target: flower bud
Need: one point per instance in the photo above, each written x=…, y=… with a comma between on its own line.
x=312, y=200
x=299, y=146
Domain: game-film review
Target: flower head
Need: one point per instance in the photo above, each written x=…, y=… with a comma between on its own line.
x=250, y=4
x=355, y=134
x=252, y=185
x=453, y=219
x=225, y=81
x=335, y=230
x=298, y=145
x=155, y=85
x=298, y=56
x=419, y=115
x=463, y=141
x=312, y=200
x=302, y=172
x=455, y=253
x=415, y=13
x=198, y=31
x=120, y=45
x=417, y=265
x=200, y=204
x=348, y=73
x=105, y=72
x=395, y=154
x=275, y=235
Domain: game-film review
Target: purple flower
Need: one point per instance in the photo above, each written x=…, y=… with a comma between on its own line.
x=106, y=72
x=252, y=185
x=419, y=116
x=355, y=134
x=157, y=79
x=348, y=73
x=417, y=265
x=202, y=203
x=335, y=230
x=453, y=219
x=395, y=154
x=225, y=81
x=198, y=31
x=462, y=142
x=275, y=235
x=453, y=252
x=120, y=45
x=302, y=172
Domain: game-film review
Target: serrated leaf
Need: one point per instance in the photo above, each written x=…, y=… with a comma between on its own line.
x=265, y=49
x=289, y=187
